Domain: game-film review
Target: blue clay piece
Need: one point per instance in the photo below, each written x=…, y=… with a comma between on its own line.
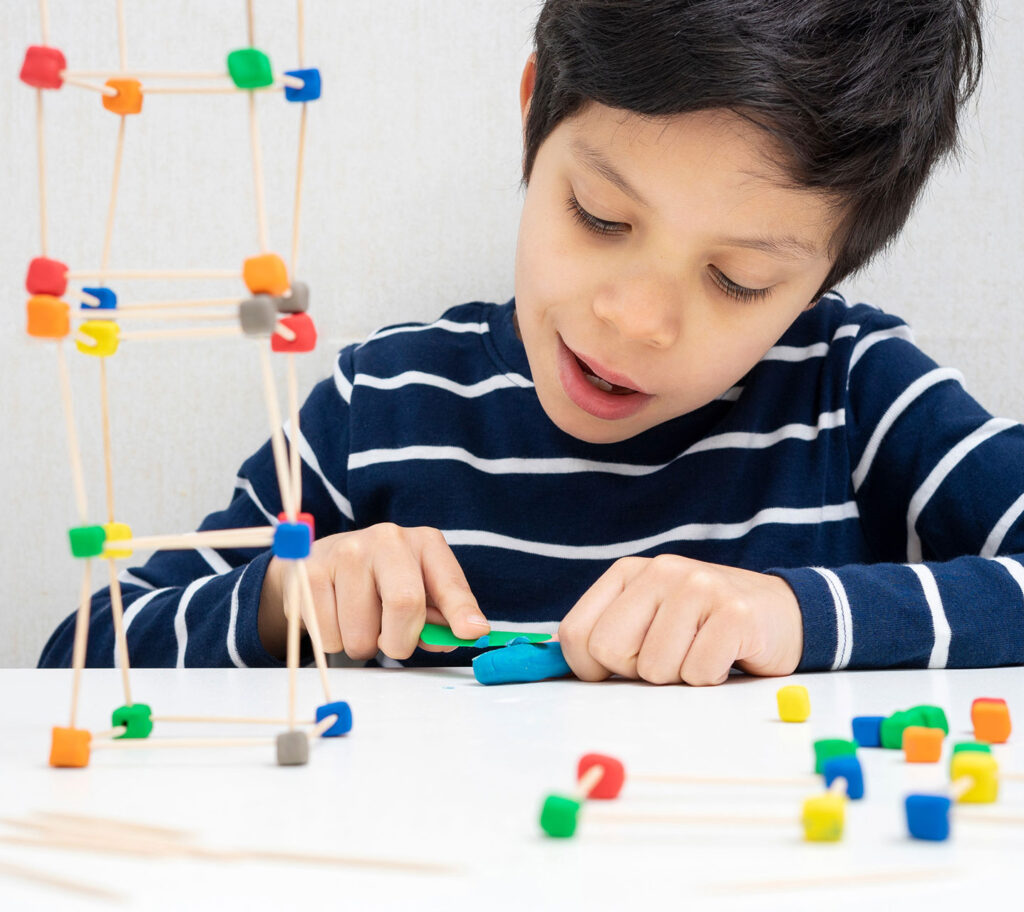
x=483, y=642
x=342, y=724
x=107, y=299
x=867, y=730
x=847, y=767
x=310, y=91
x=518, y=641
x=928, y=817
x=521, y=663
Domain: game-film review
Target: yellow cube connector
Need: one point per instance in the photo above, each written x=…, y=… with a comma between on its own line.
x=794, y=703
x=116, y=531
x=823, y=817
x=982, y=769
x=104, y=336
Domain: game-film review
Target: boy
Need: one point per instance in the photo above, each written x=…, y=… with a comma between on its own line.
x=675, y=445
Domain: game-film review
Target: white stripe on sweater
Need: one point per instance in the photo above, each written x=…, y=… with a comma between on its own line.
x=308, y=457
x=131, y=612
x=940, y=624
x=795, y=353
x=447, y=325
x=341, y=383
x=872, y=339
x=232, y=638
x=937, y=475
x=844, y=618
x=466, y=390
x=565, y=465
x=995, y=538
x=1014, y=569
x=217, y=563
x=899, y=405
x=243, y=484
x=180, y=626
x=688, y=532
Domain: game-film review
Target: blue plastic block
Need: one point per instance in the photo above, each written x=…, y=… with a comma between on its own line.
x=847, y=768
x=867, y=730
x=310, y=91
x=521, y=663
x=342, y=725
x=291, y=541
x=928, y=816
x=108, y=300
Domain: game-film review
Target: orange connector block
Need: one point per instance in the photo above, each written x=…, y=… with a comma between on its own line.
x=922, y=745
x=128, y=99
x=70, y=747
x=990, y=717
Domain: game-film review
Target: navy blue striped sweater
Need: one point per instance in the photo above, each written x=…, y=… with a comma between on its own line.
x=846, y=462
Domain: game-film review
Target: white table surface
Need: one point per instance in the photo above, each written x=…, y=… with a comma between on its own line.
x=440, y=768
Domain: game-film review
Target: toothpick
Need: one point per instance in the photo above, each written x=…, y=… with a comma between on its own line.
x=255, y=537
x=78, y=274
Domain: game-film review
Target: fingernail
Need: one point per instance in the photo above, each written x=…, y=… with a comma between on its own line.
x=479, y=620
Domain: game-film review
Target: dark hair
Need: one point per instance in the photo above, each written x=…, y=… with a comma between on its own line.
x=861, y=96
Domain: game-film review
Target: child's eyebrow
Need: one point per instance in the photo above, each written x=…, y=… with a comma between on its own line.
x=600, y=165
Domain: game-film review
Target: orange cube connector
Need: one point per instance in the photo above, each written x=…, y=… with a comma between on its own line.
x=265, y=274
x=990, y=717
x=48, y=317
x=922, y=745
x=70, y=747
x=128, y=99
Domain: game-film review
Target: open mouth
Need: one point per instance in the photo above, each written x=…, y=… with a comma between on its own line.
x=600, y=382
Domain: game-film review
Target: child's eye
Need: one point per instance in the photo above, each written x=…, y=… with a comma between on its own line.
x=592, y=222
x=739, y=292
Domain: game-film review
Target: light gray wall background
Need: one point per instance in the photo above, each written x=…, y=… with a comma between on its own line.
x=411, y=205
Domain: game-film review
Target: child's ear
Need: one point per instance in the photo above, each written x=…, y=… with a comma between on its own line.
x=526, y=86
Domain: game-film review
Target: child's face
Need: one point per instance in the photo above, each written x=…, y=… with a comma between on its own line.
x=646, y=305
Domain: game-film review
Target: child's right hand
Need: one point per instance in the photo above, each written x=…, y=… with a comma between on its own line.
x=374, y=589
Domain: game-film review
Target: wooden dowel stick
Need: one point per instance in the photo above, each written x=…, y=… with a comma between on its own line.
x=162, y=305
x=259, y=536
x=143, y=743
x=257, y=174
x=277, y=443
x=120, y=635
x=92, y=86
x=93, y=821
x=74, y=449
x=160, y=317
x=978, y=817
x=293, y=611
x=250, y=24
x=81, y=638
x=297, y=209
x=313, y=626
x=959, y=786
x=686, y=779
x=617, y=817
x=77, y=274
x=590, y=779
x=108, y=464
x=225, y=720
x=110, y=733
x=276, y=86
x=45, y=878
x=322, y=726
x=41, y=159
x=44, y=20
x=300, y=29
x=199, y=332
x=293, y=418
x=122, y=39
x=108, y=234
x=145, y=74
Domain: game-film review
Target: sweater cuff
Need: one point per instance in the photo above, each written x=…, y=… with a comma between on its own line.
x=818, y=609
x=247, y=636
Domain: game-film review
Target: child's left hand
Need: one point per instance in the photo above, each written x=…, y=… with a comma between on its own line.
x=669, y=619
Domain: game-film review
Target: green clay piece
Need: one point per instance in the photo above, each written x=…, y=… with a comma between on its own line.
x=933, y=716
x=827, y=748
x=438, y=635
x=978, y=746
x=87, y=541
x=558, y=816
x=137, y=718
x=250, y=69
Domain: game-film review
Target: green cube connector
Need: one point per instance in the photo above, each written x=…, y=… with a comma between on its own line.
x=137, y=718
x=250, y=69
x=827, y=748
x=558, y=816
x=891, y=731
x=87, y=541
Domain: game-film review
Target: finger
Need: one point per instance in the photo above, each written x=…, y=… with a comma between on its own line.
x=358, y=603
x=403, y=600
x=448, y=590
x=712, y=652
x=619, y=631
x=576, y=627
x=325, y=606
x=668, y=640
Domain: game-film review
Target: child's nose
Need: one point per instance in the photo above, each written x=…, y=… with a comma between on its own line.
x=640, y=311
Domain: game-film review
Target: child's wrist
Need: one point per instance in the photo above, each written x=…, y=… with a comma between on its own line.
x=271, y=622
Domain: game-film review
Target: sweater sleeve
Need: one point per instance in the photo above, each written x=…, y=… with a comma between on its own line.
x=939, y=486
x=200, y=607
